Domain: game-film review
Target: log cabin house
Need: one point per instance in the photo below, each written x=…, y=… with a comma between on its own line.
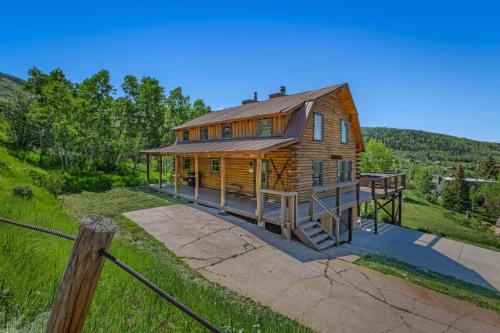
x=291, y=160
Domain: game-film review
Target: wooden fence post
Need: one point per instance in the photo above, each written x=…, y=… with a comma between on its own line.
x=80, y=277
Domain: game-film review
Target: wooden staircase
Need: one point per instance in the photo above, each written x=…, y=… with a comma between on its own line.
x=312, y=234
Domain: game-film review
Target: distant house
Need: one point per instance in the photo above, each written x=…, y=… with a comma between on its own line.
x=290, y=160
x=439, y=182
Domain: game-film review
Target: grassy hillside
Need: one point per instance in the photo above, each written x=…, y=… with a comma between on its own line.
x=31, y=265
x=429, y=217
x=426, y=146
x=9, y=84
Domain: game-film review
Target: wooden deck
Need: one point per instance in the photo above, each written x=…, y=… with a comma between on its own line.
x=246, y=206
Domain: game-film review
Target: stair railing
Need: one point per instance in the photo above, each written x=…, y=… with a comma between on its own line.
x=335, y=213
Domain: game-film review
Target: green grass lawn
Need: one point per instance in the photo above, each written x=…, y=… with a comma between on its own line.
x=442, y=283
x=32, y=263
x=430, y=217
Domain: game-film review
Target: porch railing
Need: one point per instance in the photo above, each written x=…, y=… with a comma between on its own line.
x=288, y=209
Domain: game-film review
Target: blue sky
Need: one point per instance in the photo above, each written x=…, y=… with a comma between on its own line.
x=431, y=65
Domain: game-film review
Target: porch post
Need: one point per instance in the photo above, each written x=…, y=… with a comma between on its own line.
x=222, y=182
x=160, y=170
x=147, y=170
x=176, y=182
x=196, y=177
x=258, y=187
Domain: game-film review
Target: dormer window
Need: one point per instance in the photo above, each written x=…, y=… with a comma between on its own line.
x=227, y=131
x=185, y=136
x=204, y=134
x=265, y=127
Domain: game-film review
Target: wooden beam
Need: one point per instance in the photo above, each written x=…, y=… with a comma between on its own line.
x=147, y=170
x=74, y=296
x=400, y=209
x=176, y=176
x=376, y=217
x=160, y=171
x=222, y=182
x=258, y=186
x=393, y=209
x=196, y=177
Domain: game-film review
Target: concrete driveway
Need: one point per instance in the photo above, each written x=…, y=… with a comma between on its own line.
x=327, y=293
x=463, y=261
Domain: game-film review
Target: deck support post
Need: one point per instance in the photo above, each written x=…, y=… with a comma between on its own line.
x=160, y=171
x=147, y=171
x=375, y=226
x=311, y=205
x=286, y=231
x=349, y=239
x=222, y=182
x=393, y=209
x=176, y=176
x=400, y=205
x=258, y=187
x=196, y=177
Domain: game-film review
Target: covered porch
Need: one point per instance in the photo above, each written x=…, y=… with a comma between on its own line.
x=271, y=210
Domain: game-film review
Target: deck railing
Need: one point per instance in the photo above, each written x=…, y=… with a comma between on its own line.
x=288, y=209
x=386, y=181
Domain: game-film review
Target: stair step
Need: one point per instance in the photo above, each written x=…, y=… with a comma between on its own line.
x=307, y=225
x=313, y=231
x=326, y=244
x=319, y=238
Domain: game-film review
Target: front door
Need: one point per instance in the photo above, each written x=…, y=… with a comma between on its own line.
x=265, y=176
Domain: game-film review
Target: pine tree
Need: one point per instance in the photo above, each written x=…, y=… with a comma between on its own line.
x=461, y=189
x=487, y=168
x=455, y=195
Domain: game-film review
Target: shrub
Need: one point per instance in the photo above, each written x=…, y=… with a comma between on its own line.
x=52, y=181
x=94, y=183
x=24, y=191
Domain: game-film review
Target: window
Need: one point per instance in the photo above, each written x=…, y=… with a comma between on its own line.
x=185, y=136
x=204, y=134
x=227, y=131
x=343, y=131
x=187, y=163
x=214, y=165
x=317, y=173
x=265, y=127
x=344, y=171
x=318, y=127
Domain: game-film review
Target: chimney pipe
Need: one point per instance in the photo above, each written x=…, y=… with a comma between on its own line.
x=283, y=90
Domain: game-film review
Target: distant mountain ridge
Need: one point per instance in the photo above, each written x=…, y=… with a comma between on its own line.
x=9, y=84
x=427, y=146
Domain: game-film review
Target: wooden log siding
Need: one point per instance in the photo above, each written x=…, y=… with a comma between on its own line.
x=240, y=128
x=308, y=150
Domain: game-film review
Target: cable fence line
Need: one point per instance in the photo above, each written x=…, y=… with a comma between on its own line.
x=37, y=228
x=91, y=244
x=160, y=292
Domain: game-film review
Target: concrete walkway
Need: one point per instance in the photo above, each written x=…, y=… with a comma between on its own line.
x=325, y=292
x=463, y=261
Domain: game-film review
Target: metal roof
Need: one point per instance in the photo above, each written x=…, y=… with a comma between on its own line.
x=268, y=107
x=223, y=146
